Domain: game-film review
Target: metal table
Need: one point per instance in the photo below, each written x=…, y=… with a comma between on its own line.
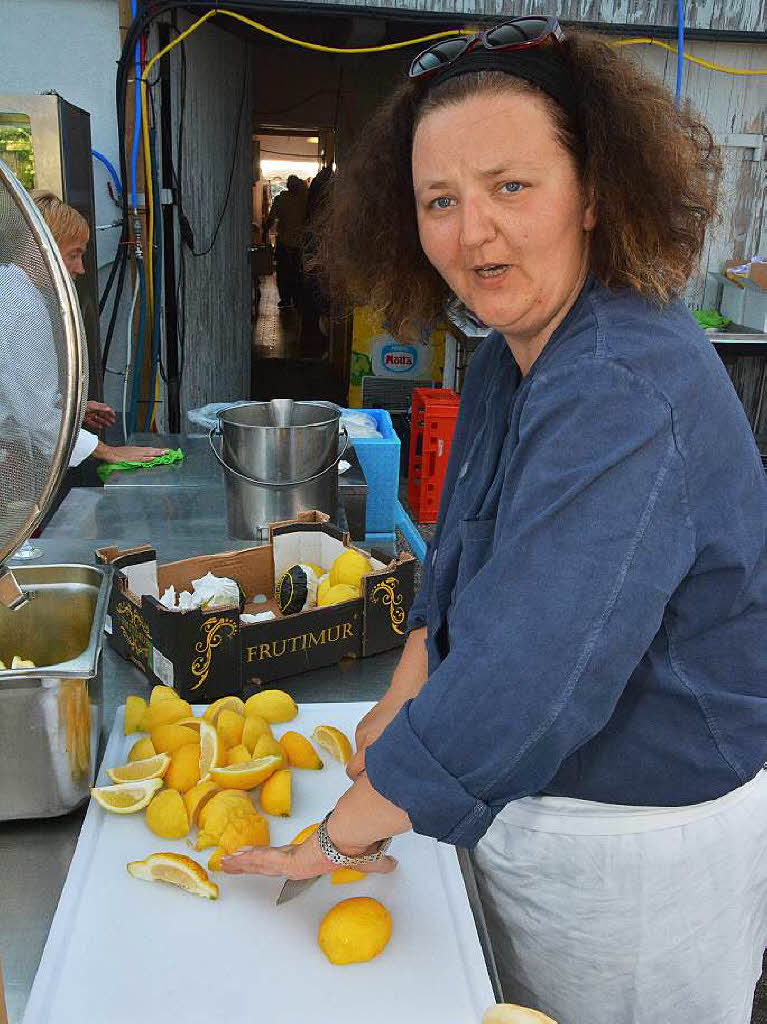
x=180, y=520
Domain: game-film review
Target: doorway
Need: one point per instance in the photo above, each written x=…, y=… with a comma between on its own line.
x=293, y=353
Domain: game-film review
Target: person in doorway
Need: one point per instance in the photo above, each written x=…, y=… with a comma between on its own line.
x=582, y=699
x=288, y=216
x=71, y=233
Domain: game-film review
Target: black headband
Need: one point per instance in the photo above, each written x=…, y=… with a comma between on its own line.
x=543, y=68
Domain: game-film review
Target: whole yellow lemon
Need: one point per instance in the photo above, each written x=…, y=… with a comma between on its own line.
x=336, y=595
x=349, y=568
x=354, y=930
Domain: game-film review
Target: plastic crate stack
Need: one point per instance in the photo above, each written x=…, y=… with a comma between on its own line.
x=435, y=411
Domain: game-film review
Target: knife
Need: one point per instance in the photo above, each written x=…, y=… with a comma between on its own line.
x=294, y=887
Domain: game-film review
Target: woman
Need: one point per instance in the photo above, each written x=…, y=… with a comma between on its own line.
x=583, y=695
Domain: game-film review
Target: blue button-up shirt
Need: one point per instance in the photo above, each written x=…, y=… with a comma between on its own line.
x=596, y=592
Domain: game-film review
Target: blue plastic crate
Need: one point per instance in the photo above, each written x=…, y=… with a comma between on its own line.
x=379, y=458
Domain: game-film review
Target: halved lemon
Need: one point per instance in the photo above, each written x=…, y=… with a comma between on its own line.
x=210, y=750
x=126, y=797
x=140, y=771
x=334, y=741
x=176, y=869
x=230, y=703
x=246, y=776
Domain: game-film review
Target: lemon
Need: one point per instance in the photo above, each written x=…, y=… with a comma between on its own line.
x=510, y=1013
x=322, y=588
x=246, y=776
x=213, y=816
x=168, y=738
x=176, y=869
x=127, y=797
x=255, y=728
x=267, y=745
x=160, y=693
x=214, y=861
x=196, y=798
x=190, y=723
x=316, y=569
x=338, y=594
x=184, y=771
x=141, y=750
x=343, y=875
x=354, y=930
x=334, y=741
x=210, y=750
x=239, y=755
x=230, y=726
x=275, y=794
x=138, y=771
x=134, y=712
x=231, y=703
x=230, y=820
x=304, y=834
x=163, y=713
x=349, y=568
x=272, y=705
x=166, y=815
x=298, y=751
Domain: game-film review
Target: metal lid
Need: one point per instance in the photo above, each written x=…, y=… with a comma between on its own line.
x=42, y=366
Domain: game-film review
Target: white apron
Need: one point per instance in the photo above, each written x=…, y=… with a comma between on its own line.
x=603, y=914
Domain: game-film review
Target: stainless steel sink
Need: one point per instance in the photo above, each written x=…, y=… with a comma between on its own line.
x=50, y=716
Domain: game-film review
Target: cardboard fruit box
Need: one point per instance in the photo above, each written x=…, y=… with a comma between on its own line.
x=206, y=653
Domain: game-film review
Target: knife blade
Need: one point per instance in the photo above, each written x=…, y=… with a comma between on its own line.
x=294, y=887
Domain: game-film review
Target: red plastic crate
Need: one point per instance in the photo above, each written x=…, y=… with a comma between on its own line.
x=435, y=411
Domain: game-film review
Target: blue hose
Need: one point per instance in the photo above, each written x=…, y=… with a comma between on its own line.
x=138, y=361
x=113, y=173
x=679, y=52
x=137, y=116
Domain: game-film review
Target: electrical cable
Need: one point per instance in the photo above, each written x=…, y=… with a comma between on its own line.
x=122, y=260
x=128, y=353
x=680, y=53
x=648, y=41
x=138, y=361
x=137, y=115
x=115, y=176
x=158, y=241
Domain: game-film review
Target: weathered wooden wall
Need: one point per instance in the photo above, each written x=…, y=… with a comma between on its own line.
x=218, y=285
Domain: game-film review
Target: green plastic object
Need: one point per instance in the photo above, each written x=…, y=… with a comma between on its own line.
x=171, y=456
x=710, y=318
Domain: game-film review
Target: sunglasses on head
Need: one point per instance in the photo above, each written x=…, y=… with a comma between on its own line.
x=517, y=34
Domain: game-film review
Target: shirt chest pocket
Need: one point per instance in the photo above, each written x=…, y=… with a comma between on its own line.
x=477, y=537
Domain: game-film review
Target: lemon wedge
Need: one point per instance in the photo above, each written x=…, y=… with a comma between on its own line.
x=230, y=703
x=162, y=692
x=299, y=751
x=176, y=869
x=210, y=751
x=134, y=712
x=334, y=741
x=246, y=776
x=126, y=797
x=140, y=771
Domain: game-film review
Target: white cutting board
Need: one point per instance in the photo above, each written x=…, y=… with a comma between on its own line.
x=124, y=951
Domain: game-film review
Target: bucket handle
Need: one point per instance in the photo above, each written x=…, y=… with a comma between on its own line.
x=265, y=483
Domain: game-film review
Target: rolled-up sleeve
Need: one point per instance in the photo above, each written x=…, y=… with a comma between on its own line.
x=556, y=602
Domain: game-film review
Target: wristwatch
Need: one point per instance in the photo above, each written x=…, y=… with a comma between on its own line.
x=341, y=859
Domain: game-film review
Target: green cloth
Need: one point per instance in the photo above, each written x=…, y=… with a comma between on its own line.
x=710, y=318
x=171, y=456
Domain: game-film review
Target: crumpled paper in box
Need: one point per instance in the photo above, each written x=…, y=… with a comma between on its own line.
x=207, y=592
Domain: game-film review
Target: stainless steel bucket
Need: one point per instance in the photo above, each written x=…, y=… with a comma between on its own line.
x=51, y=715
x=279, y=458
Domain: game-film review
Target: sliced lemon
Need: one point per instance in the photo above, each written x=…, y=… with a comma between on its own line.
x=343, y=875
x=334, y=741
x=510, y=1013
x=255, y=728
x=140, y=771
x=230, y=703
x=134, y=712
x=299, y=752
x=126, y=797
x=168, y=738
x=161, y=692
x=166, y=815
x=141, y=750
x=246, y=776
x=175, y=869
x=210, y=750
x=196, y=798
x=191, y=722
x=304, y=834
x=275, y=794
x=229, y=726
x=273, y=705
x=164, y=712
x=239, y=755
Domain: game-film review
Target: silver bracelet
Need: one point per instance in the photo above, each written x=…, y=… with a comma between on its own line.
x=334, y=855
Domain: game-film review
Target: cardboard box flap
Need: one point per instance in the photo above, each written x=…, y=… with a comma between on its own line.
x=138, y=565
x=250, y=568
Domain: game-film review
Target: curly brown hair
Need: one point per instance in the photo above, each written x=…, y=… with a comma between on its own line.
x=653, y=170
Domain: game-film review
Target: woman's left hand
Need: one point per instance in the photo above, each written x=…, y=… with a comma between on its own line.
x=303, y=861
